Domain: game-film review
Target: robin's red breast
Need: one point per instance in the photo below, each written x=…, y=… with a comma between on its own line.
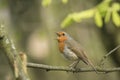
x=72, y=50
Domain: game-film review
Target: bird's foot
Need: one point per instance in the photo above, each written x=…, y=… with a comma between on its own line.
x=74, y=64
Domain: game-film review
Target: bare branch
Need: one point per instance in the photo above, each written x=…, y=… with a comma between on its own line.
x=68, y=69
x=105, y=56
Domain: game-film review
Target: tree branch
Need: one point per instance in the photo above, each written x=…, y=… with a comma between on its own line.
x=15, y=60
x=68, y=69
x=12, y=55
x=109, y=53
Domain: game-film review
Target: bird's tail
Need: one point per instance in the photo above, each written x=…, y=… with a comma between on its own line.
x=88, y=62
x=91, y=64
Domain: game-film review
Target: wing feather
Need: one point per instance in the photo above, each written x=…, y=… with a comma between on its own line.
x=78, y=50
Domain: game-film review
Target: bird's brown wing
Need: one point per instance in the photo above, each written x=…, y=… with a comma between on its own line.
x=75, y=47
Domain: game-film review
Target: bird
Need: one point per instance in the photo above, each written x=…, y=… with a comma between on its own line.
x=72, y=50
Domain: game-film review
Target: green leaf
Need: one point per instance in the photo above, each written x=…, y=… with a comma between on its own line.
x=103, y=7
x=83, y=15
x=64, y=1
x=98, y=19
x=116, y=6
x=67, y=21
x=116, y=18
x=45, y=3
x=77, y=17
x=108, y=15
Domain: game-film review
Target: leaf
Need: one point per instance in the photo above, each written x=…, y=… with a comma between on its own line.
x=77, y=17
x=107, y=16
x=116, y=18
x=83, y=15
x=98, y=19
x=45, y=3
x=116, y=6
x=103, y=7
x=64, y=1
x=67, y=21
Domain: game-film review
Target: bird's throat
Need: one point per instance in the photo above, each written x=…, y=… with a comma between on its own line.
x=61, y=46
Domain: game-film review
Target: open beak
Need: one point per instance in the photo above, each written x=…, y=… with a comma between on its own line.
x=57, y=33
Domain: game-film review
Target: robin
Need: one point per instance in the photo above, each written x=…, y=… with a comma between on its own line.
x=72, y=50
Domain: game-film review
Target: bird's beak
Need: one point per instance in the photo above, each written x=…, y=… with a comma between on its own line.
x=57, y=33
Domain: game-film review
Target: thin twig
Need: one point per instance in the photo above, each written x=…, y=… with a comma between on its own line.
x=105, y=56
x=68, y=69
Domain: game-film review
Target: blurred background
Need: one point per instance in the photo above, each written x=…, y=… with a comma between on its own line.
x=32, y=27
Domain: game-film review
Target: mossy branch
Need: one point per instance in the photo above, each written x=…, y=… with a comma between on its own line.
x=12, y=55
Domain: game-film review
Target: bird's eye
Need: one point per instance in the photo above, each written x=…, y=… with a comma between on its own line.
x=63, y=34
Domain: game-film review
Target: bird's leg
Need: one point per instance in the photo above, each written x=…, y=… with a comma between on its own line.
x=71, y=65
x=74, y=64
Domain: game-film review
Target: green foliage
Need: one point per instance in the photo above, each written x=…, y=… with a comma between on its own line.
x=108, y=15
x=101, y=12
x=64, y=1
x=116, y=6
x=46, y=2
x=98, y=19
x=116, y=18
x=103, y=7
x=77, y=17
x=115, y=15
x=68, y=21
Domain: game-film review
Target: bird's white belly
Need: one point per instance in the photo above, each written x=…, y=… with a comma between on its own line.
x=69, y=54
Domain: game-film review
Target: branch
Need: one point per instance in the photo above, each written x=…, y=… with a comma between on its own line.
x=16, y=61
x=105, y=56
x=12, y=55
x=68, y=69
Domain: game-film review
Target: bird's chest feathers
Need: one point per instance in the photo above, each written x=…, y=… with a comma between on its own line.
x=61, y=46
x=69, y=54
x=61, y=41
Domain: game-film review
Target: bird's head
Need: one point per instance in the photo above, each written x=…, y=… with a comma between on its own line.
x=62, y=36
